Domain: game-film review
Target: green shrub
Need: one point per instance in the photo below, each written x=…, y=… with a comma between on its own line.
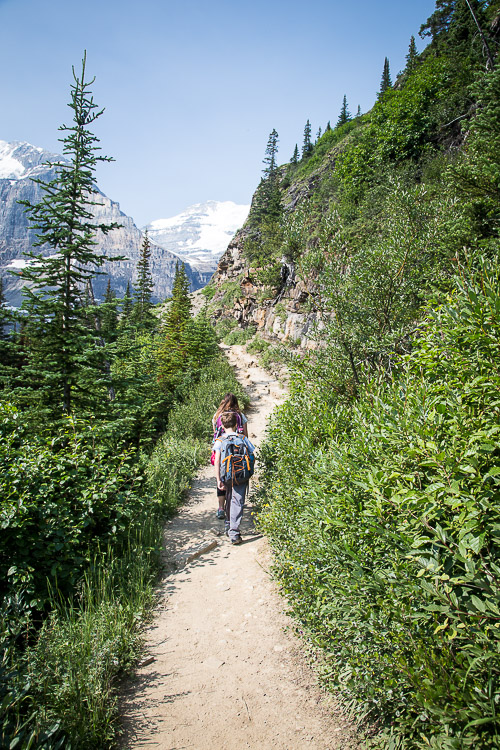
x=224, y=327
x=257, y=345
x=240, y=335
x=60, y=497
x=209, y=291
x=385, y=516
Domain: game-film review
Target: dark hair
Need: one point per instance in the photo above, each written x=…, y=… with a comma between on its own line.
x=228, y=403
x=228, y=419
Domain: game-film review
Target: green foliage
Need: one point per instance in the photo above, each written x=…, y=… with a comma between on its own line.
x=307, y=146
x=384, y=517
x=209, y=291
x=477, y=174
x=64, y=358
x=142, y=315
x=225, y=326
x=185, y=345
x=386, y=82
x=100, y=538
x=344, y=115
x=257, y=345
x=231, y=292
x=239, y=335
x=324, y=145
x=60, y=497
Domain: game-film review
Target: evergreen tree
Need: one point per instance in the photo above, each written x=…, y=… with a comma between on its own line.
x=438, y=23
x=386, y=82
x=478, y=172
x=61, y=345
x=358, y=113
x=127, y=306
x=328, y=127
x=307, y=147
x=295, y=155
x=270, y=157
x=460, y=25
x=109, y=314
x=318, y=134
x=344, y=115
x=173, y=349
x=270, y=198
x=144, y=288
x=412, y=56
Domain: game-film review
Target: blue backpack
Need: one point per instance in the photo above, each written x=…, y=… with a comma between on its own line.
x=236, y=460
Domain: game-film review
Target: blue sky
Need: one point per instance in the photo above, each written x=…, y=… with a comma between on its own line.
x=192, y=89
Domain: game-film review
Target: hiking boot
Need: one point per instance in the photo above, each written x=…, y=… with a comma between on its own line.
x=236, y=540
x=220, y=514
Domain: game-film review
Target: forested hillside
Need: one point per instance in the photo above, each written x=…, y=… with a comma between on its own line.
x=381, y=495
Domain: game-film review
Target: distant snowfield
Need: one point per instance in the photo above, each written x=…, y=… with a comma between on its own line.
x=10, y=168
x=202, y=232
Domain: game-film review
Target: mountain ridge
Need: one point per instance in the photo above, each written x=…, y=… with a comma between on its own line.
x=22, y=163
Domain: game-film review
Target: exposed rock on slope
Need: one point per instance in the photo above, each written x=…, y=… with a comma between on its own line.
x=289, y=312
x=289, y=316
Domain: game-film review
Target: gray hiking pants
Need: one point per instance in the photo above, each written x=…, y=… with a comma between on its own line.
x=235, y=500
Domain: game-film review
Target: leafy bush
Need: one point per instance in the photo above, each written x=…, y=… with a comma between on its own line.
x=60, y=498
x=239, y=335
x=385, y=519
x=225, y=326
x=209, y=291
x=257, y=345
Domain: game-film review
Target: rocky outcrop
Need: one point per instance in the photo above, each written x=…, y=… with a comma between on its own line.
x=290, y=316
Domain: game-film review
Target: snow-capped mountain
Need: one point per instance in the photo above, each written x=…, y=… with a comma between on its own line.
x=201, y=233
x=19, y=162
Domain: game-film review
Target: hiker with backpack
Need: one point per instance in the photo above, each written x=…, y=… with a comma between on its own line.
x=234, y=464
x=229, y=403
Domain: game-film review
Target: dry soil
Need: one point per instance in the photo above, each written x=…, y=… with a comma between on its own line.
x=222, y=668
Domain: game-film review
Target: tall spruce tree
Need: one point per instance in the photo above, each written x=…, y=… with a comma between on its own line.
x=307, y=147
x=270, y=198
x=295, y=155
x=108, y=314
x=144, y=286
x=271, y=154
x=173, y=347
x=385, y=82
x=344, y=115
x=412, y=56
x=127, y=306
x=328, y=127
x=60, y=343
x=318, y=134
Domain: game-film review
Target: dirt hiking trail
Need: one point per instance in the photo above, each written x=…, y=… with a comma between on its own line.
x=220, y=670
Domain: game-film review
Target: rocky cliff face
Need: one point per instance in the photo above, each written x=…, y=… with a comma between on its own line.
x=19, y=164
x=288, y=317
x=290, y=313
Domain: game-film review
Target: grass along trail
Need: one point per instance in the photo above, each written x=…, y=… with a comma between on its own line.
x=220, y=670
